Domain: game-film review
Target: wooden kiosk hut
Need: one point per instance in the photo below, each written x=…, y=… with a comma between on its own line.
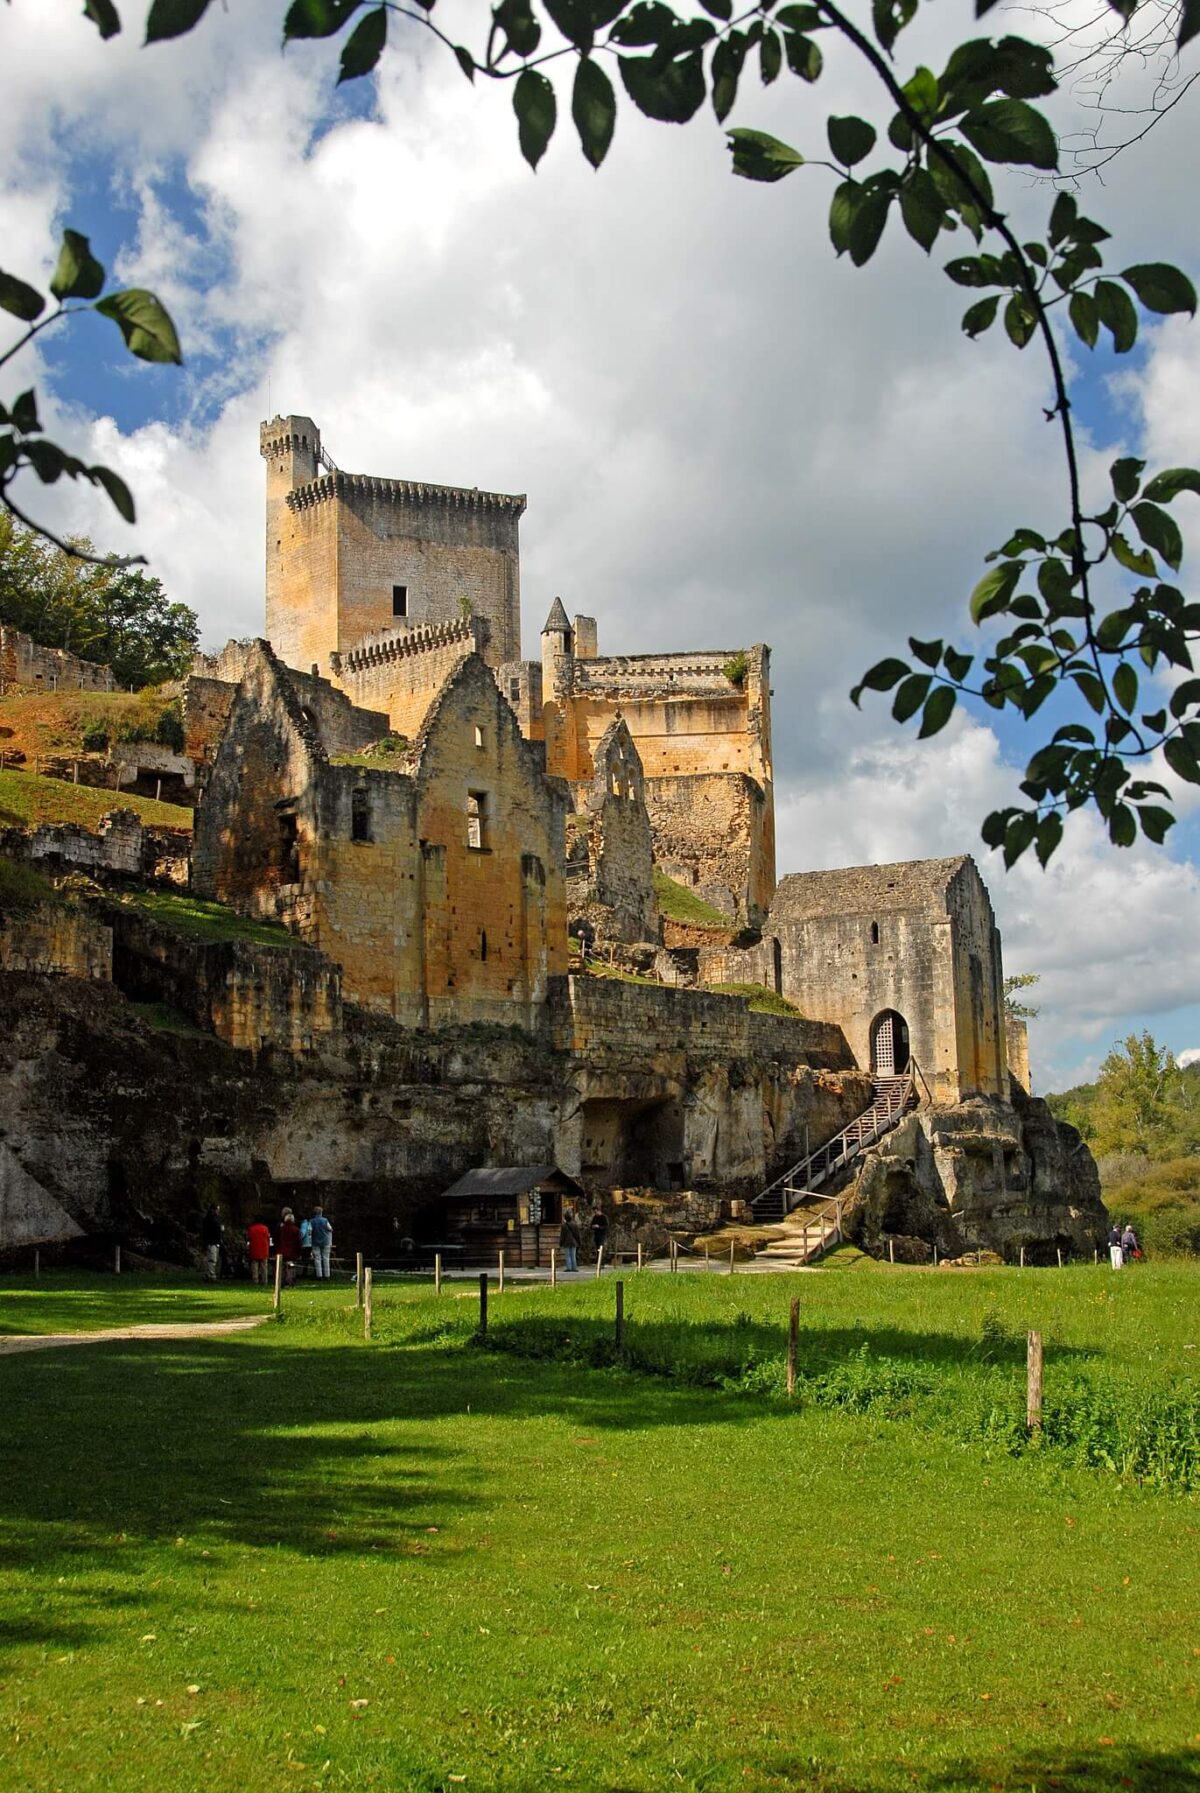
x=516, y=1209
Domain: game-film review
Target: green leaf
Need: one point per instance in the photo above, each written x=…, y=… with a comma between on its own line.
x=883, y=675
x=1126, y=477
x=171, y=18
x=758, y=156
x=22, y=300
x=1049, y=834
x=78, y=274
x=728, y=58
x=1155, y=822
x=1159, y=530
x=921, y=92
x=1189, y=22
x=850, y=139
x=103, y=15
x=1160, y=287
x=143, y=322
x=1122, y=826
x=1134, y=560
x=1170, y=483
x=804, y=57
x=1181, y=760
x=1125, y=687
x=316, y=18
x=464, y=58
x=515, y=18
x=24, y=414
x=117, y=490
x=867, y=224
x=1185, y=696
x=1085, y=317
x=939, y=708
x=594, y=109
x=576, y=20
x=981, y=316
x=889, y=18
x=537, y=111
x=921, y=208
x=994, y=590
x=770, y=57
x=1017, y=837
x=929, y=653
x=1117, y=313
x=952, y=181
x=672, y=94
x=364, y=46
x=1019, y=321
x=910, y=696
x=719, y=9
x=841, y=215
x=970, y=270
x=1011, y=131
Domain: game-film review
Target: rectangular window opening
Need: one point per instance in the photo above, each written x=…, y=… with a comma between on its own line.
x=399, y=600
x=477, y=819
x=360, y=815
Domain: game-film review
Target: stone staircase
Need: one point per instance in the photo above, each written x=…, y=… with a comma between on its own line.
x=891, y=1098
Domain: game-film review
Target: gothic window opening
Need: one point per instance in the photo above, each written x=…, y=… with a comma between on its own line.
x=477, y=819
x=360, y=816
x=399, y=600
x=478, y=736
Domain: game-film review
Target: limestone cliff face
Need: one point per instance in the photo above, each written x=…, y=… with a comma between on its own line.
x=981, y=1174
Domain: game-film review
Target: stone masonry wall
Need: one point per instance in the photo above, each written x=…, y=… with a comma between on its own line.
x=54, y=939
x=715, y=834
x=24, y=663
x=401, y=671
x=597, y=1017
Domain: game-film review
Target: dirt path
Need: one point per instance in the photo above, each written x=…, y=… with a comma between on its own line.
x=11, y=1343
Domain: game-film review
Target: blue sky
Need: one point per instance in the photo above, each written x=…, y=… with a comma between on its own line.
x=724, y=434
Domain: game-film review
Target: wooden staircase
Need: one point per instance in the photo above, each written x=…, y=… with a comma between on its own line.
x=891, y=1098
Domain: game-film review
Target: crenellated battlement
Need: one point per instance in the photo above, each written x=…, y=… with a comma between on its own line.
x=685, y=675
x=403, y=644
x=403, y=491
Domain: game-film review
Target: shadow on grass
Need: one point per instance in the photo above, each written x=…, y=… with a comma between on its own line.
x=1122, y=1768
x=113, y=1449
x=89, y=1301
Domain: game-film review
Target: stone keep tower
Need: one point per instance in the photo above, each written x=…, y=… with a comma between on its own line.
x=351, y=556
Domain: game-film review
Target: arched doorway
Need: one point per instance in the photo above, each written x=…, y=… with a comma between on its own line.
x=889, y=1045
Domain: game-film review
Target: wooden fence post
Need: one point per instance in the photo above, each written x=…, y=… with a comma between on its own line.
x=793, y=1333
x=731, y=1257
x=500, y=1290
x=482, y=1302
x=599, y=1260
x=935, y=1256
x=437, y=1272
x=553, y=1268
x=1033, y=1390
x=277, y=1298
x=1022, y=1257
x=116, y=1260
x=639, y=1254
x=1058, y=1249
x=37, y=1262
x=358, y=1277
x=620, y=1321
x=674, y=1255
x=707, y=1258
x=367, y=1304
x=891, y=1251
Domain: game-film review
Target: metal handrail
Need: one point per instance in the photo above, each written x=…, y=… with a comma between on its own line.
x=841, y=1149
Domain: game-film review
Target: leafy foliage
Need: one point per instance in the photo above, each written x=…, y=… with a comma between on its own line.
x=926, y=164
x=115, y=615
x=1142, y=1103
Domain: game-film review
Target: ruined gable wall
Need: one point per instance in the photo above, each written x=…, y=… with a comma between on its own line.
x=495, y=916
x=23, y=662
x=449, y=551
x=1016, y=1039
x=265, y=758
x=716, y=834
x=342, y=726
x=206, y=704
x=401, y=672
x=978, y=993
x=613, y=826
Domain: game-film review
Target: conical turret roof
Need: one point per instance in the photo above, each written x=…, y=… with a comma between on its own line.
x=556, y=623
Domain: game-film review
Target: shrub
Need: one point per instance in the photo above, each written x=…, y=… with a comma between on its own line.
x=169, y=731
x=21, y=888
x=735, y=670
x=94, y=735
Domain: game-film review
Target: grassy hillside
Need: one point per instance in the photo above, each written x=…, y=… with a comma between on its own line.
x=208, y=921
x=78, y=722
x=27, y=801
x=761, y=1000
x=677, y=903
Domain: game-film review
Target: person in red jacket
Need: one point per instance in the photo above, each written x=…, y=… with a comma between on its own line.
x=289, y=1245
x=258, y=1242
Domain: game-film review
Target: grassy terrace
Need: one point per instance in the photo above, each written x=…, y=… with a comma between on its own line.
x=72, y=722
x=208, y=921
x=27, y=800
x=677, y=903
x=293, y=1560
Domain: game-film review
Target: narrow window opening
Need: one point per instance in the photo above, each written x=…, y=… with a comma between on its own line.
x=289, y=849
x=477, y=819
x=874, y=933
x=514, y=691
x=399, y=600
x=478, y=736
x=483, y=943
x=360, y=816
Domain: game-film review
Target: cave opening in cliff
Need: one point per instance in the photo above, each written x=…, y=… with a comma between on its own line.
x=634, y=1143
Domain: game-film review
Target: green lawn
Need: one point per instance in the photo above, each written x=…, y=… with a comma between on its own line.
x=208, y=921
x=293, y=1560
x=79, y=1301
x=678, y=903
